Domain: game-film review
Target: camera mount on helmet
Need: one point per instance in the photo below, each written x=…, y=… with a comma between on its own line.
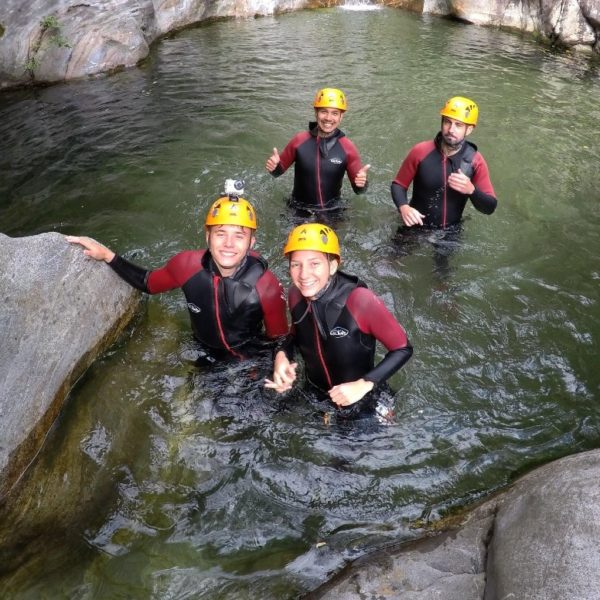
x=234, y=188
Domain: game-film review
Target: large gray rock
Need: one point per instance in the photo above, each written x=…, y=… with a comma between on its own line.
x=59, y=310
x=567, y=22
x=450, y=566
x=537, y=541
x=46, y=41
x=546, y=542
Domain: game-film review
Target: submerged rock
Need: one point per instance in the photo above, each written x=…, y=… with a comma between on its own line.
x=537, y=540
x=59, y=311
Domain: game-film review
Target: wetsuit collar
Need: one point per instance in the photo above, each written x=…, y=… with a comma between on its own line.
x=314, y=131
x=325, y=143
x=439, y=144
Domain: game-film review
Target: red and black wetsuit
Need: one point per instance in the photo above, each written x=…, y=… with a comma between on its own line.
x=226, y=312
x=320, y=167
x=336, y=334
x=428, y=168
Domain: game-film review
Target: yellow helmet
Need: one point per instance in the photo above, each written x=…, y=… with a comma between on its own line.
x=313, y=236
x=330, y=98
x=231, y=211
x=461, y=109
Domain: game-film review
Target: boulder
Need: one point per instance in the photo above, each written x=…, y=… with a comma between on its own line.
x=536, y=541
x=546, y=532
x=570, y=23
x=59, y=311
x=46, y=41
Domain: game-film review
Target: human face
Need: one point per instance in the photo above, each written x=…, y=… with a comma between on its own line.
x=328, y=119
x=228, y=245
x=454, y=132
x=310, y=271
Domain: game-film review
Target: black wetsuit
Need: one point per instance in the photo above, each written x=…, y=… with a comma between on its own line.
x=428, y=168
x=336, y=334
x=320, y=167
x=226, y=312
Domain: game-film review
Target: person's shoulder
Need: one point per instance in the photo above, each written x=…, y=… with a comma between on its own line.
x=187, y=256
x=300, y=137
x=363, y=299
x=346, y=142
x=363, y=294
x=424, y=146
x=420, y=150
x=294, y=296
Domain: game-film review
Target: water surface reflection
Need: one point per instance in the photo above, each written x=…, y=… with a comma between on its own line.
x=168, y=482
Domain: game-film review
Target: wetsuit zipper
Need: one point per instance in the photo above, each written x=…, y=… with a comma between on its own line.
x=218, y=316
x=319, y=192
x=444, y=161
x=320, y=352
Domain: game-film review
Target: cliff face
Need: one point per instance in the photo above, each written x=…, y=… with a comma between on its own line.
x=571, y=23
x=46, y=41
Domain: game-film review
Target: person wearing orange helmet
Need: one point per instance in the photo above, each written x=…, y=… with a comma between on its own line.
x=230, y=292
x=321, y=155
x=445, y=172
x=336, y=322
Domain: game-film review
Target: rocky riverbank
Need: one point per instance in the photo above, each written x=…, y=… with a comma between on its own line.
x=48, y=41
x=536, y=541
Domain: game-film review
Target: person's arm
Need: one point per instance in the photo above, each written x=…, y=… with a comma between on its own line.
x=406, y=173
x=483, y=197
x=133, y=274
x=478, y=188
x=345, y=394
x=277, y=164
x=410, y=216
x=272, y=300
x=356, y=171
x=374, y=319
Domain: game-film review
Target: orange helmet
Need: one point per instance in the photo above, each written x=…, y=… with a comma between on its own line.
x=462, y=109
x=330, y=98
x=313, y=236
x=231, y=211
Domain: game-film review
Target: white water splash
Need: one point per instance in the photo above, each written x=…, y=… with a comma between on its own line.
x=360, y=5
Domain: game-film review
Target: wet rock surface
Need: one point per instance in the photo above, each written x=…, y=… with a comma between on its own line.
x=59, y=311
x=46, y=41
x=538, y=540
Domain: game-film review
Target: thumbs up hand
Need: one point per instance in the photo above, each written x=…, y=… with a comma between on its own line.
x=361, y=177
x=273, y=161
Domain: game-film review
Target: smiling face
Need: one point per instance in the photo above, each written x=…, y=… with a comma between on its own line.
x=310, y=271
x=454, y=132
x=328, y=120
x=228, y=245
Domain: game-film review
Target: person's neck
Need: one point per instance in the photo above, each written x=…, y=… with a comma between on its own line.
x=324, y=135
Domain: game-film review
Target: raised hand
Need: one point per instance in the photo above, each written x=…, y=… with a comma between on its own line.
x=361, y=177
x=273, y=161
x=93, y=249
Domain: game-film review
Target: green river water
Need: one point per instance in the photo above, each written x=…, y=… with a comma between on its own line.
x=163, y=481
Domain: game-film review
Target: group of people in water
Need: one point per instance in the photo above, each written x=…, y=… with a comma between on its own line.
x=235, y=301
